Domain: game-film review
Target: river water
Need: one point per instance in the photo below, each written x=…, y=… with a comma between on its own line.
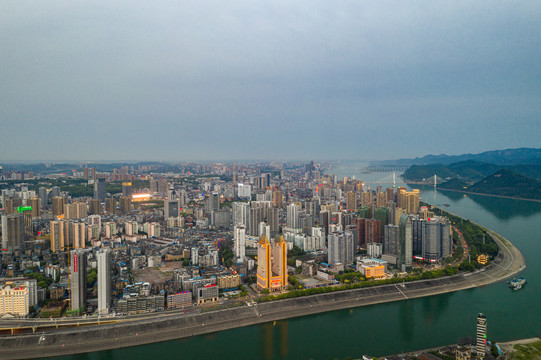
x=384, y=329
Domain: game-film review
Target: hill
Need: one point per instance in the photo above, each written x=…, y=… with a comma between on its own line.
x=508, y=183
x=506, y=157
x=470, y=171
x=454, y=184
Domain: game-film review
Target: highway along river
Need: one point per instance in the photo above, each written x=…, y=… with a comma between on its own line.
x=389, y=328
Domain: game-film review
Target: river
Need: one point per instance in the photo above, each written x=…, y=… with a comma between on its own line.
x=393, y=327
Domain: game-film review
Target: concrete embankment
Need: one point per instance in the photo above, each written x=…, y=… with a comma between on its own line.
x=164, y=326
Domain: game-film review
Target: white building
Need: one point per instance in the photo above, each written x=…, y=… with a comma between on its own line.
x=240, y=242
x=104, y=280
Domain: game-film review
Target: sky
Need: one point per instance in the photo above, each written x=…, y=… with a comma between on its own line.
x=267, y=80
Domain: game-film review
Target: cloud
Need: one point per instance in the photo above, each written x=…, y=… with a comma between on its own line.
x=245, y=79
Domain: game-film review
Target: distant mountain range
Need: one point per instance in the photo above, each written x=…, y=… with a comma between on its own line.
x=468, y=171
x=504, y=182
x=528, y=156
x=512, y=172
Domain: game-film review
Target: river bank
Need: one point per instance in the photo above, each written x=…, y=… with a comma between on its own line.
x=129, y=332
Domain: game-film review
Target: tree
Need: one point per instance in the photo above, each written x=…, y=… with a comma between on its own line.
x=186, y=262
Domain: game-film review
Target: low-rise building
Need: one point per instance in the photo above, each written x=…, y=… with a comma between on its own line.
x=207, y=293
x=371, y=267
x=228, y=281
x=14, y=299
x=179, y=300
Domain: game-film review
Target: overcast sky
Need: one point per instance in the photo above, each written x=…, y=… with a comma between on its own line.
x=203, y=80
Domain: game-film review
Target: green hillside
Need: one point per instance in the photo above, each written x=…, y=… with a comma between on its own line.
x=508, y=183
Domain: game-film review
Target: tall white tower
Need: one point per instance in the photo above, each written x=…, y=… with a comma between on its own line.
x=104, y=280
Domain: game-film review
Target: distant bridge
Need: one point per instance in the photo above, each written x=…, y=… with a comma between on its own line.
x=383, y=168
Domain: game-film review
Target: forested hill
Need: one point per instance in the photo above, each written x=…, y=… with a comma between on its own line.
x=508, y=183
x=469, y=171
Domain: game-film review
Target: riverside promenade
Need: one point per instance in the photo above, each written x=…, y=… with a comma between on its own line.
x=116, y=332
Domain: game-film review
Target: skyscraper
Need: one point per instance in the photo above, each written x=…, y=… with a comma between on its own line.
x=292, y=216
x=57, y=235
x=341, y=248
x=272, y=263
x=481, y=343
x=351, y=200
x=405, y=256
x=12, y=232
x=35, y=204
x=58, y=205
x=78, y=280
x=99, y=189
x=171, y=208
x=104, y=280
x=125, y=204
x=241, y=213
x=126, y=189
x=110, y=206
x=95, y=206
x=240, y=242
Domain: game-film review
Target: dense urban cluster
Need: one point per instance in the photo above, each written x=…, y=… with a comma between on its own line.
x=147, y=237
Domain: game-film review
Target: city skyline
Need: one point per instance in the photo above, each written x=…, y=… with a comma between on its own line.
x=274, y=81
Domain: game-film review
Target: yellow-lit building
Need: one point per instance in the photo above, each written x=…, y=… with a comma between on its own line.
x=272, y=263
x=373, y=271
x=57, y=205
x=409, y=201
x=372, y=268
x=366, y=198
x=381, y=199
x=351, y=200
x=35, y=203
x=14, y=299
x=57, y=236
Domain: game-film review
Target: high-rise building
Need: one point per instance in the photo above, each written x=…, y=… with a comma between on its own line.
x=44, y=196
x=272, y=263
x=127, y=189
x=351, y=200
x=76, y=210
x=341, y=248
x=481, y=338
x=171, y=208
x=391, y=241
x=78, y=280
x=279, y=263
x=36, y=206
x=277, y=198
x=213, y=203
x=58, y=205
x=95, y=206
x=55, y=191
x=292, y=216
x=405, y=256
x=57, y=235
x=125, y=204
x=74, y=234
x=241, y=213
x=366, y=198
x=110, y=206
x=12, y=232
x=240, y=242
x=104, y=280
x=381, y=199
x=436, y=239
x=99, y=189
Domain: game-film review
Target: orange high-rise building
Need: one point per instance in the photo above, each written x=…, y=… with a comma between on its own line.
x=272, y=263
